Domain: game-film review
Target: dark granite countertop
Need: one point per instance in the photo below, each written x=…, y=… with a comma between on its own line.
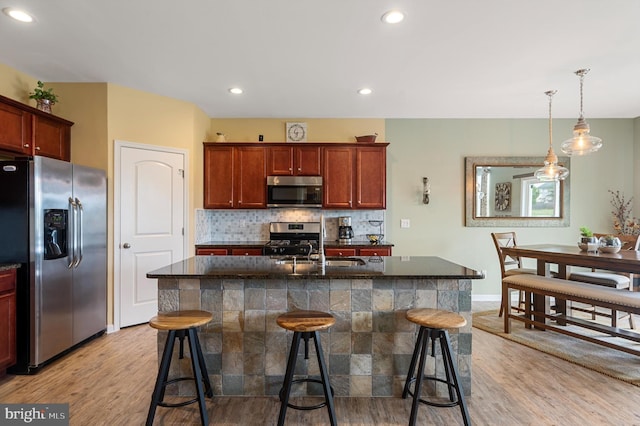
x=263, y=267
x=332, y=244
x=7, y=266
x=220, y=244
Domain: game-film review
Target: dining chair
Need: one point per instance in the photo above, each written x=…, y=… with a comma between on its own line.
x=510, y=265
x=610, y=279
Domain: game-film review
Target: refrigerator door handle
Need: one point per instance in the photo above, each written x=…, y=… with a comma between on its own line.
x=80, y=237
x=71, y=235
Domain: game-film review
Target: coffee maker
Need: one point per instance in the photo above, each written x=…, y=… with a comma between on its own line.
x=345, y=232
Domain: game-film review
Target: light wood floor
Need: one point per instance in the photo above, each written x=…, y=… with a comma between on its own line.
x=109, y=382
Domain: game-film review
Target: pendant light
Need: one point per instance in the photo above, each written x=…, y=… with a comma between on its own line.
x=551, y=171
x=582, y=143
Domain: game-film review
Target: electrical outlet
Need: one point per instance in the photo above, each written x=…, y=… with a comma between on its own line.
x=405, y=223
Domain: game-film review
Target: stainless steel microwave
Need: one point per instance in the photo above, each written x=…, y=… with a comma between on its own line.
x=294, y=191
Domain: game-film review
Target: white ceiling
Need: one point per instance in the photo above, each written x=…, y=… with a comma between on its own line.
x=303, y=58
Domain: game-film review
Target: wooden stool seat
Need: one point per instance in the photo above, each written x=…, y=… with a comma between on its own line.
x=435, y=318
x=306, y=325
x=180, y=320
x=305, y=321
x=181, y=325
x=433, y=326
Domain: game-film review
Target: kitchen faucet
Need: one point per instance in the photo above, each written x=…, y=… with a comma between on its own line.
x=321, y=259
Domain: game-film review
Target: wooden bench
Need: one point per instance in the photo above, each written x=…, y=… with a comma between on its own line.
x=610, y=298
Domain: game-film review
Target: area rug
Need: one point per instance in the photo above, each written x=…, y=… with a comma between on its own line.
x=613, y=363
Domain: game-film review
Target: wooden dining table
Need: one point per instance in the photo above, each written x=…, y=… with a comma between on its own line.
x=564, y=256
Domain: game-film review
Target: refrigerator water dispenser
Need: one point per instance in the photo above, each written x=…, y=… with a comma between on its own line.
x=55, y=234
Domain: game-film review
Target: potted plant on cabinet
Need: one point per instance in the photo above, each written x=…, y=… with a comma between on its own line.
x=45, y=98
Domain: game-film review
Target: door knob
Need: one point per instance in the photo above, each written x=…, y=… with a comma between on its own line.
x=126, y=245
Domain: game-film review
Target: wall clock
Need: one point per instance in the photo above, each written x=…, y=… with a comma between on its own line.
x=503, y=196
x=296, y=132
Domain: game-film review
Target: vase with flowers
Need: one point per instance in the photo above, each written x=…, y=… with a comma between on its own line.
x=624, y=223
x=45, y=98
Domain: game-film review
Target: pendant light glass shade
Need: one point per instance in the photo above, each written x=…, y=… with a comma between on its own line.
x=582, y=143
x=551, y=171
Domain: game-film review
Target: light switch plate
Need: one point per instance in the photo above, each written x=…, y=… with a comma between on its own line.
x=405, y=223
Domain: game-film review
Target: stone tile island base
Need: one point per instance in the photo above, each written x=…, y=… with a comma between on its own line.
x=368, y=350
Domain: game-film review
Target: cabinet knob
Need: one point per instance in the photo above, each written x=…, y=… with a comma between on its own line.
x=291, y=169
x=126, y=245
x=37, y=148
x=26, y=145
x=299, y=169
x=230, y=202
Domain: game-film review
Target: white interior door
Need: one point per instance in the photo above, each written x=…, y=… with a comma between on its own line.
x=152, y=225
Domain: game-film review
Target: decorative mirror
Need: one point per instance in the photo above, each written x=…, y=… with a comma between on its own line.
x=502, y=191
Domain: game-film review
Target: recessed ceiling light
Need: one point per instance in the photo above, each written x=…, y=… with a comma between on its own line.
x=365, y=91
x=18, y=15
x=392, y=17
x=236, y=90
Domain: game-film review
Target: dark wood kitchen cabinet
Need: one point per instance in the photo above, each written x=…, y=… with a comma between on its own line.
x=355, y=177
x=337, y=177
x=25, y=130
x=7, y=319
x=211, y=252
x=234, y=177
x=293, y=161
x=358, y=251
x=371, y=178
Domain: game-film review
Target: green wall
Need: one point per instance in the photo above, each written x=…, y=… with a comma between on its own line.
x=436, y=148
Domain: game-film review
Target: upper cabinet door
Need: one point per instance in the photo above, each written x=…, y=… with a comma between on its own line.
x=51, y=139
x=280, y=161
x=337, y=179
x=15, y=129
x=250, y=177
x=218, y=177
x=293, y=161
x=307, y=161
x=371, y=178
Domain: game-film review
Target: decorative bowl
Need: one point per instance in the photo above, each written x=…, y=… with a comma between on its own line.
x=366, y=138
x=609, y=249
x=583, y=246
x=375, y=238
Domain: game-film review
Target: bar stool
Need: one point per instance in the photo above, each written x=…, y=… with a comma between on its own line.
x=306, y=325
x=181, y=324
x=434, y=324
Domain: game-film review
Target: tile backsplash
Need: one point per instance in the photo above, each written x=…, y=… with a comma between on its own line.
x=253, y=225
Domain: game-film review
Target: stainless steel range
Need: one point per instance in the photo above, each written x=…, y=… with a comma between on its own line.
x=292, y=239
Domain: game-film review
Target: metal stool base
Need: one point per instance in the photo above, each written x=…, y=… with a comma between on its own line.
x=285, y=392
x=456, y=395
x=198, y=367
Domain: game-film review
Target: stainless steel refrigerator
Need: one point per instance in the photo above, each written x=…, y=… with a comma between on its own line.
x=53, y=222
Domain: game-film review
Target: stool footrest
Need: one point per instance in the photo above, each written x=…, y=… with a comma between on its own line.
x=305, y=407
x=453, y=403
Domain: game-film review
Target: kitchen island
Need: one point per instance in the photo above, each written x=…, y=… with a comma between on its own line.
x=369, y=348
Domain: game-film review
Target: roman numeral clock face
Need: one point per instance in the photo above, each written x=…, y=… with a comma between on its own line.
x=296, y=132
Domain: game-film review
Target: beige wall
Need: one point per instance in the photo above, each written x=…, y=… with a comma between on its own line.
x=318, y=129
x=16, y=85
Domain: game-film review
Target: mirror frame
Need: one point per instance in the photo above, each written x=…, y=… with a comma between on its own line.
x=523, y=222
